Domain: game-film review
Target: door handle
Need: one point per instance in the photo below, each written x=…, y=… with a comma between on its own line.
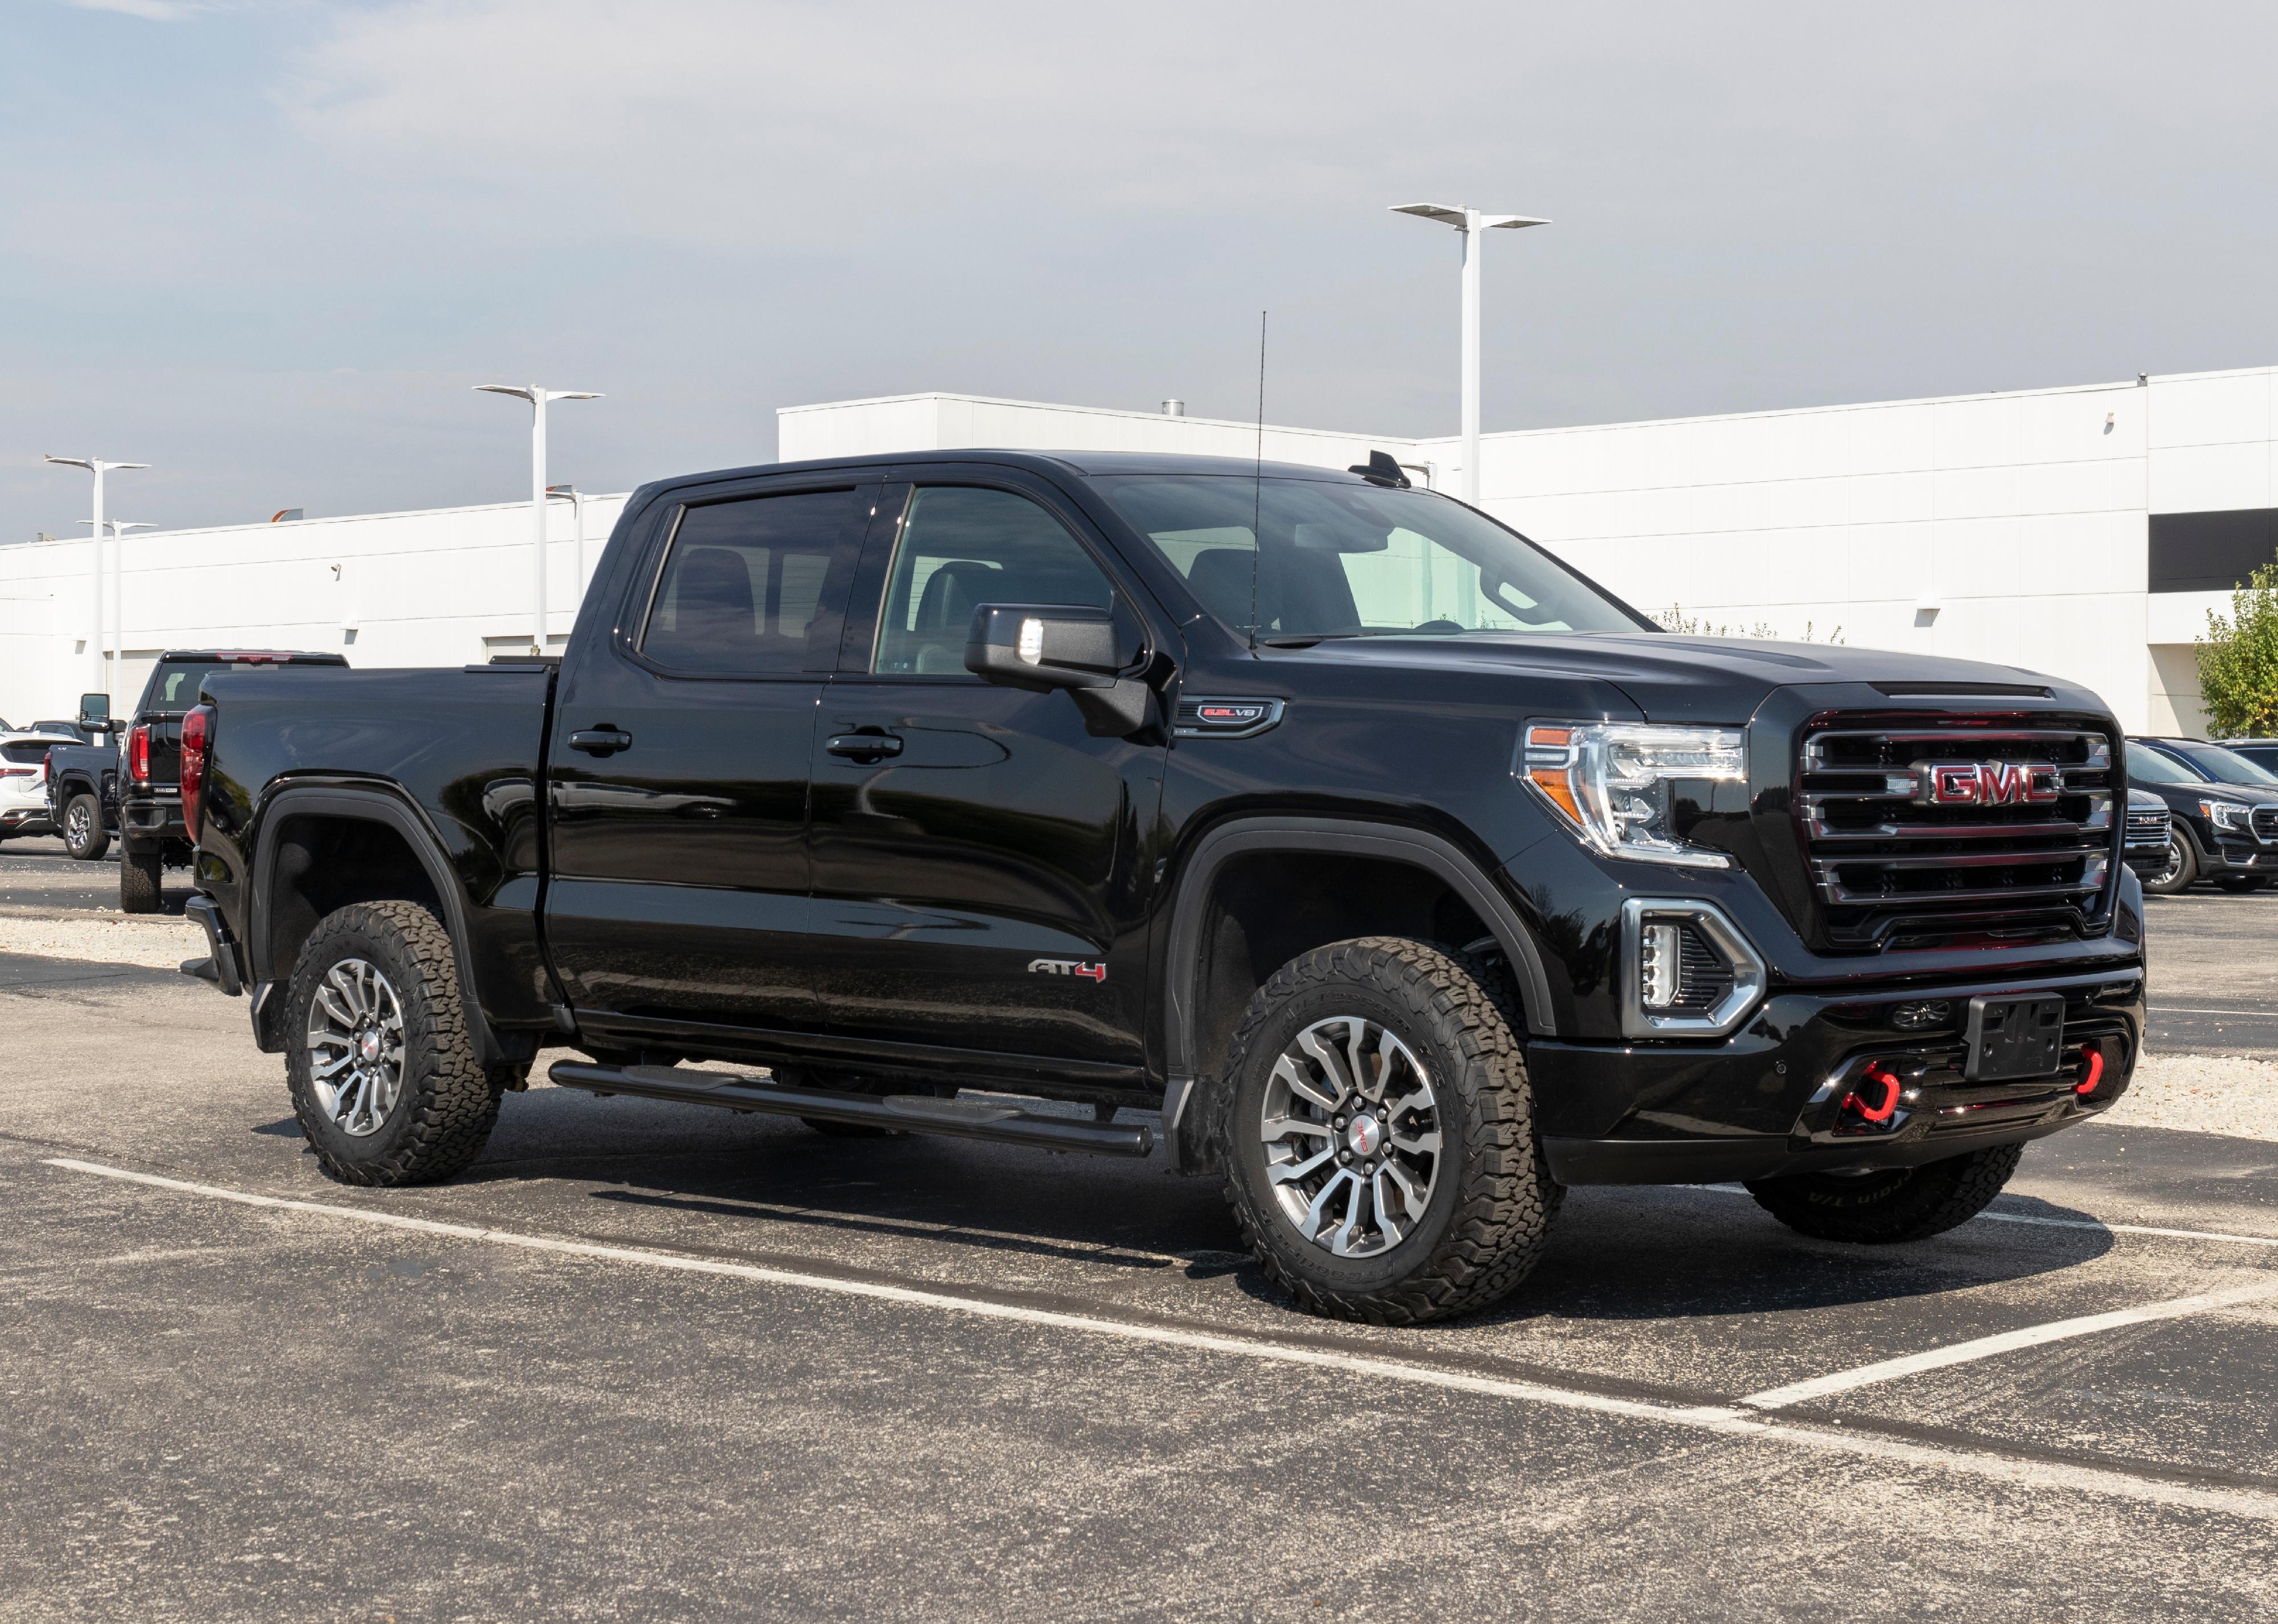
x=863, y=746
x=601, y=741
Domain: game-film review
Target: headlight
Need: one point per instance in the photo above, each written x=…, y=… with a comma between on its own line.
x=1615, y=782
x=2228, y=815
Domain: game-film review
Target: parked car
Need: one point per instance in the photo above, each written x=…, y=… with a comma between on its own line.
x=24, y=783
x=1406, y=876
x=151, y=835
x=2149, y=831
x=83, y=783
x=2224, y=809
x=70, y=730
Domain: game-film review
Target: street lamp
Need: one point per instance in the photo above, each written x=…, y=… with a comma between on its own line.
x=577, y=499
x=1470, y=223
x=98, y=467
x=538, y=397
x=117, y=528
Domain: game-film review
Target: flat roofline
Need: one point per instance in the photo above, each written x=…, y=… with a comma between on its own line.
x=344, y=518
x=1247, y=423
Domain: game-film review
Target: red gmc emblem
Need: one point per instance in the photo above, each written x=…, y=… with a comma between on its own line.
x=1983, y=783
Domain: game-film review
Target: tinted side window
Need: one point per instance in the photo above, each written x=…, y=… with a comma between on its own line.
x=743, y=584
x=962, y=547
x=2155, y=767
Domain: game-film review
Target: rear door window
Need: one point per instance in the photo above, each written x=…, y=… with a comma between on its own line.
x=742, y=592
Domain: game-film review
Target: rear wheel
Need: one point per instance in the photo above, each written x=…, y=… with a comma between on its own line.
x=1888, y=1204
x=142, y=887
x=378, y=1057
x=2181, y=867
x=84, y=835
x=1380, y=1136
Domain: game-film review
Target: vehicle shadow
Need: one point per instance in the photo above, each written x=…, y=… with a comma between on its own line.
x=1633, y=1253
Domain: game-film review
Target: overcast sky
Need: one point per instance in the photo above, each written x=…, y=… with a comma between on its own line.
x=267, y=246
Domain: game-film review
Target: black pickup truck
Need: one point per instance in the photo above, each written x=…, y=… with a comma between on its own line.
x=129, y=786
x=1404, y=876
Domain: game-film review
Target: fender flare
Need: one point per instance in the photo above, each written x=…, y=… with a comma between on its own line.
x=368, y=806
x=1393, y=841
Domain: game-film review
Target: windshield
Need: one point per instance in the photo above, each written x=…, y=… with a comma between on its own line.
x=2148, y=765
x=2225, y=767
x=1352, y=560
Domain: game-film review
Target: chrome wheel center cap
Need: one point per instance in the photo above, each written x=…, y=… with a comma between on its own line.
x=367, y=1045
x=1365, y=1135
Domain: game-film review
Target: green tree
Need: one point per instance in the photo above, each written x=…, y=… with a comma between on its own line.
x=2238, y=660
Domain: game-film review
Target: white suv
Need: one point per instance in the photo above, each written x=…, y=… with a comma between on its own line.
x=24, y=783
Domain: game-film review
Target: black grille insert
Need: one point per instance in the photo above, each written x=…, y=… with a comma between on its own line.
x=1893, y=864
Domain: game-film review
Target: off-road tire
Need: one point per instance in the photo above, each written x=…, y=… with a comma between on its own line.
x=83, y=813
x=1902, y=1203
x=1489, y=1211
x=141, y=887
x=449, y=1101
x=2185, y=859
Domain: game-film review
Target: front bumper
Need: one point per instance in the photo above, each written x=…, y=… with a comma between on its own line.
x=2240, y=857
x=1770, y=1100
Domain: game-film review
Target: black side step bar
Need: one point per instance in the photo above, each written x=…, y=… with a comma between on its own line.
x=912, y=1113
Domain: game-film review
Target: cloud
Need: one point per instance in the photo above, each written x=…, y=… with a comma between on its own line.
x=150, y=10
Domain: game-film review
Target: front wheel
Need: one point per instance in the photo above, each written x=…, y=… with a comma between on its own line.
x=84, y=835
x=142, y=887
x=2181, y=867
x=1888, y=1204
x=382, y=1068
x=1379, y=1135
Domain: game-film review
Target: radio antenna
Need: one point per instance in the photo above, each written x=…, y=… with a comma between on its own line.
x=1257, y=486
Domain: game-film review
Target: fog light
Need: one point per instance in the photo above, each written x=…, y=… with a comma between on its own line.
x=1921, y=1013
x=1660, y=967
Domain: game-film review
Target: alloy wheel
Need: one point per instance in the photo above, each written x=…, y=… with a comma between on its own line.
x=77, y=830
x=2175, y=864
x=355, y=1047
x=1351, y=1130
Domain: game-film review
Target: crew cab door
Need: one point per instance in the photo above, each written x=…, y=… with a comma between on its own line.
x=677, y=769
x=981, y=862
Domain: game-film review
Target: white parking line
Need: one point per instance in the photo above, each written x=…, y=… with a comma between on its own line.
x=2007, y=1342
x=2096, y=1224
x=1726, y=1421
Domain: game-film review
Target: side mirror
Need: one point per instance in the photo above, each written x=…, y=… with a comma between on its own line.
x=95, y=713
x=1044, y=646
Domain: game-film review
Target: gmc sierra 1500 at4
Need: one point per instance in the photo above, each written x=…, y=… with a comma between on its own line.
x=1410, y=876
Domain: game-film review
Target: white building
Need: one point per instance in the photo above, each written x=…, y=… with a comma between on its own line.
x=2084, y=531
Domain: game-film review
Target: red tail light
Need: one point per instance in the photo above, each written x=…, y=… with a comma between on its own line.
x=194, y=729
x=138, y=753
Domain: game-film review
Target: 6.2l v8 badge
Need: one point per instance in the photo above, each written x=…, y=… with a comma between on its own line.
x=1067, y=966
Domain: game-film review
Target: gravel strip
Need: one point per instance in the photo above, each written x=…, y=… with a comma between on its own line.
x=152, y=941
x=2201, y=1093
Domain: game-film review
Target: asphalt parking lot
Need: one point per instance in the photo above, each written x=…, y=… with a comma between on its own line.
x=651, y=1361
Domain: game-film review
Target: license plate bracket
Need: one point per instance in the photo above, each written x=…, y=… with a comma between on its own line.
x=2011, y=1038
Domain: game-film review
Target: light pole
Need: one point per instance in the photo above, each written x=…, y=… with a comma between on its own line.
x=1470, y=223
x=118, y=623
x=575, y=498
x=538, y=397
x=98, y=467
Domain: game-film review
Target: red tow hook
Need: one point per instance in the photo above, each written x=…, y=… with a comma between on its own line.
x=2093, y=1054
x=1876, y=1075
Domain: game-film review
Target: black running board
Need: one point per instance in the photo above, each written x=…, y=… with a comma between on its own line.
x=912, y=1113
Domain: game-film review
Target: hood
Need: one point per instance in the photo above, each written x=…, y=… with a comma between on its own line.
x=1721, y=680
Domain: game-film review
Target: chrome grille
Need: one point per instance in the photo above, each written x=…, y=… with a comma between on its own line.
x=2265, y=824
x=2149, y=828
x=1888, y=870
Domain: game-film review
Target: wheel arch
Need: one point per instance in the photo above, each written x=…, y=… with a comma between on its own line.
x=297, y=826
x=1192, y=1010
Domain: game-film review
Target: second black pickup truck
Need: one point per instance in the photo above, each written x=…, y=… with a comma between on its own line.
x=1404, y=876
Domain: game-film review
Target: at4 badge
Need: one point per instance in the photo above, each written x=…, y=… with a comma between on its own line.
x=1067, y=966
